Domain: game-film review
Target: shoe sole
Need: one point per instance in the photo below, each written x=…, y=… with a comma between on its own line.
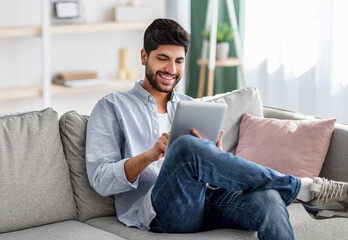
x=320, y=214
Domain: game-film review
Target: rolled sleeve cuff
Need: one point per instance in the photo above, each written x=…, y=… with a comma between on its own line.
x=120, y=174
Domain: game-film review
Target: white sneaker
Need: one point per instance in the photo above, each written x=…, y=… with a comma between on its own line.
x=330, y=199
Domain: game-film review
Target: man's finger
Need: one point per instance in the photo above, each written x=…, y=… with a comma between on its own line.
x=221, y=134
x=195, y=133
x=164, y=138
x=219, y=141
x=165, y=134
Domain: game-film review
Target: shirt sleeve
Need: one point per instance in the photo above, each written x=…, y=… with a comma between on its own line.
x=104, y=145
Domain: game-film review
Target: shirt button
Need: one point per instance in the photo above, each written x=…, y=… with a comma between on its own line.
x=150, y=98
x=153, y=110
x=155, y=131
x=145, y=102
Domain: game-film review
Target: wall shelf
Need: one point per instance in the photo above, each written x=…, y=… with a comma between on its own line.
x=97, y=27
x=31, y=31
x=114, y=85
x=22, y=92
x=15, y=32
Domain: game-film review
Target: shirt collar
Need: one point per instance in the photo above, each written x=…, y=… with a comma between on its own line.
x=145, y=95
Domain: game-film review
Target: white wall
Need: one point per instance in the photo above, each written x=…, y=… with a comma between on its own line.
x=20, y=58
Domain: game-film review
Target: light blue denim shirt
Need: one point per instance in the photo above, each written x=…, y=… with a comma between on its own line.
x=123, y=125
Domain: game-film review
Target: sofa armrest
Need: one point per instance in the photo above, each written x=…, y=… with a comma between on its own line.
x=336, y=161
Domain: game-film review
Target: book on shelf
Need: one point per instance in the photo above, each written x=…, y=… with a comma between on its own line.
x=81, y=82
x=68, y=76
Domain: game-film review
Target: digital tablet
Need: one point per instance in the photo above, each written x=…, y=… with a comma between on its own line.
x=207, y=118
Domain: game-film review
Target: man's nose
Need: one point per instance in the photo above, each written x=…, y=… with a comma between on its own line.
x=171, y=67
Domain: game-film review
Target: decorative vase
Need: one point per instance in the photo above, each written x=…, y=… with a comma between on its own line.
x=222, y=50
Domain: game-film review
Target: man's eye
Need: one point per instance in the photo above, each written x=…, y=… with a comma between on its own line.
x=161, y=59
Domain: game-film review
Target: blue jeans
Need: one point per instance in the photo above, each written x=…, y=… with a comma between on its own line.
x=249, y=196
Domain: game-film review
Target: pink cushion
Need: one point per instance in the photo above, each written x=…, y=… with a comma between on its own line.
x=296, y=147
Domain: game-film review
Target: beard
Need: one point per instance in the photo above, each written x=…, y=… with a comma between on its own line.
x=155, y=83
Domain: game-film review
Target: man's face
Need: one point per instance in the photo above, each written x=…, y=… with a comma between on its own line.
x=164, y=67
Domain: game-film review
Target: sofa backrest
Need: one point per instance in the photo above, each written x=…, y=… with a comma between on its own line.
x=246, y=100
x=89, y=203
x=336, y=162
x=35, y=186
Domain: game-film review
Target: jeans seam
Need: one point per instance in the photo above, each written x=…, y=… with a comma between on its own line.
x=236, y=207
x=227, y=177
x=297, y=190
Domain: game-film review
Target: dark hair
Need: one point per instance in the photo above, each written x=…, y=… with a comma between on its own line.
x=164, y=31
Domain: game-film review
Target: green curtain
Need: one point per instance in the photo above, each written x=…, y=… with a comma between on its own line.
x=225, y=78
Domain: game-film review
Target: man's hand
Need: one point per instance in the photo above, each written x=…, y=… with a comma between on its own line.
x=159, y=149
x=134, y=166
x=195, y=133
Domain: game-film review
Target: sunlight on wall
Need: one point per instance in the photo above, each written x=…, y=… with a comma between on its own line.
x=295, y=52
x=339, y=46
x=256, y=35
x=302, y=23
x=282, y=33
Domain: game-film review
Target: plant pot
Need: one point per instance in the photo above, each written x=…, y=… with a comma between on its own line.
x=222, y=50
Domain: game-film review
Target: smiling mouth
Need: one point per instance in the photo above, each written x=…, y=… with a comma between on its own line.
x=167, y=77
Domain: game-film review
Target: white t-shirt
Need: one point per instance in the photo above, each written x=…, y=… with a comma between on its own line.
x=164, y=126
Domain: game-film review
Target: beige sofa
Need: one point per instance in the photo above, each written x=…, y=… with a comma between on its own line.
x=45, y=193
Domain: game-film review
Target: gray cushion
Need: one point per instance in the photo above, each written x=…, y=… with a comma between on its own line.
x=306, y=227
x=35, y=184
x=89, y=203
x=303, y=225
x=335, y=165
x=111, y=224
x=68, y=230
x=247, y=100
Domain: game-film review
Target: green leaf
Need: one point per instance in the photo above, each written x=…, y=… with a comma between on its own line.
x=224, y=33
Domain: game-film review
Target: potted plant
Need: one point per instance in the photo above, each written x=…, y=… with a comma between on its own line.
x=224, y=34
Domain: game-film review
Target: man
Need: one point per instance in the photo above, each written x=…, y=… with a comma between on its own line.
x=199, y=186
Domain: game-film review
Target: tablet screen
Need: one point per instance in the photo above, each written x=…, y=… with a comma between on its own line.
x=207, y=118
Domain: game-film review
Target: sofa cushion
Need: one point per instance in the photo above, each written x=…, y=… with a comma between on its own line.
x=89, y=203
x=296, y=147
x=335, y=165
x=111, y=224
x=247, y=100
x=305, y=227
x=67, y=230
x=35, y=186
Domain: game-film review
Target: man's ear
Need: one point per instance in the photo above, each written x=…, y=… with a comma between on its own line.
x=143, y=56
